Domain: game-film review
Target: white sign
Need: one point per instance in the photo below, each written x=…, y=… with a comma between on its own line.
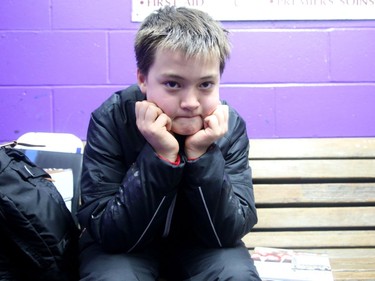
x=246, y=10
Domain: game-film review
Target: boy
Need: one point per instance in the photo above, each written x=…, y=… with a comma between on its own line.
x=166, y=186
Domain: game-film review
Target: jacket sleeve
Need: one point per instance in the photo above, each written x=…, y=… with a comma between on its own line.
x=123, y=207
x=220, y=190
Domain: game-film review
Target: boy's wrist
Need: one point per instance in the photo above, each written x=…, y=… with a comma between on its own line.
x=195, y=154
x=176, y=160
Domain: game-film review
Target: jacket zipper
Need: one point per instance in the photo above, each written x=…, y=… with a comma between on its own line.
x=209, y=217
x=148, y=226
x=169, y=217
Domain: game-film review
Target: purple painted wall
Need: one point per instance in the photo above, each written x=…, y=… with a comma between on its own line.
x=59, y=59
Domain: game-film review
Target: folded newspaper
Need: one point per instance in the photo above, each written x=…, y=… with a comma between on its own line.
x=63, y=180
x=288, y=265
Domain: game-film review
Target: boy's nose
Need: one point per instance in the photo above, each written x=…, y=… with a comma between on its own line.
x=190, y=100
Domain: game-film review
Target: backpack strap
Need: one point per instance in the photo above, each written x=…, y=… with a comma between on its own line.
x=20, y=163
x=27, y=171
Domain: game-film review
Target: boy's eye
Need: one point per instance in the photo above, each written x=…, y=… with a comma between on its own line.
x=172, y=84
x=206, y=85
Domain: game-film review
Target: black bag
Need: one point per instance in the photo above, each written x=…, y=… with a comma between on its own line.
x=38, y=236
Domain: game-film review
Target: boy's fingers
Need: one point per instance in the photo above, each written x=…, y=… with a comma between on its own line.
x=222, y=113
x=163, y=121
x=218, y=121
x=147, y=111
x=212, y=123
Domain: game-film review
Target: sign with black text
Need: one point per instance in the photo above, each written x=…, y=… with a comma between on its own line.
x=248, y=10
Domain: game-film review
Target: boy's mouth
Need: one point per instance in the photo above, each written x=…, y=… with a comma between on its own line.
x=187, y=125
x=188, y=119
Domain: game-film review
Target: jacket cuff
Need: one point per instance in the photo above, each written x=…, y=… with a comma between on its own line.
x=175, y=163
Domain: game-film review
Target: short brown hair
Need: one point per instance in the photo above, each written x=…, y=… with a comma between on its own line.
x=189, y=31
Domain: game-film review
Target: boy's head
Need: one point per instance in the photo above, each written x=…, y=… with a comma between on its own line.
x=189, y=31
x=181, y=55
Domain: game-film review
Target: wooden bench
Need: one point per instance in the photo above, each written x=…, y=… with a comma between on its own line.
x=317, y=195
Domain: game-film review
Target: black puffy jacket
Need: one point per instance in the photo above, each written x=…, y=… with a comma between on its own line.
x=130, y=196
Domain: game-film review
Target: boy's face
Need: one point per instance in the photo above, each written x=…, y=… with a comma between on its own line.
x=187, y=90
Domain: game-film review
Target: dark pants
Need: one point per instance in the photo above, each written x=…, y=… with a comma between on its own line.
x=153, y=263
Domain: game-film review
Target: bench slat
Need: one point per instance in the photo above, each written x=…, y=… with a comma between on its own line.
x=269, y=218
x=312, y=148
x=352, y=193
x=365, y=264
x=354, y=275
x=353, y=268
x=311, y=239
x=348, y=254
x=313, y=169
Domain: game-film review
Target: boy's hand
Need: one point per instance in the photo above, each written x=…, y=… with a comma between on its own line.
x=155, y=126
x=215, y=126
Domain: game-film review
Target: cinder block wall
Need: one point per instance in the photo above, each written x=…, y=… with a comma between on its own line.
x=59, y=59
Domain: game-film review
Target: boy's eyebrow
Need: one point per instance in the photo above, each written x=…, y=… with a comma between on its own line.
x=173, y=76
x=178, y=77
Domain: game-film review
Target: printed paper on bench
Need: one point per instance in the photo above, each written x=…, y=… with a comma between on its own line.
x=287, y=265
x=63, y=180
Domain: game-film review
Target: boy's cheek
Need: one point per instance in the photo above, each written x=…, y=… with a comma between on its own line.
x=210, y=110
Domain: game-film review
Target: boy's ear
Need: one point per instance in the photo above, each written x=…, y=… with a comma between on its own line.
x=141, y=78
